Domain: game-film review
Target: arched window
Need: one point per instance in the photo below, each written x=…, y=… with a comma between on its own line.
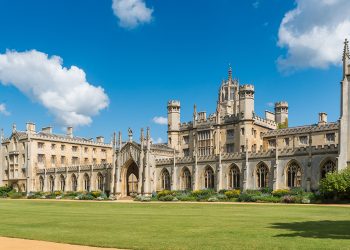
x=165, y=180
x=328, y=167
x=51, y=184
x=234, y=178
x=262, y=176
x=74, y=183
x=86, y=183
x=100, y=182
x=62, y=183
x=209, y=178
x=41, y=184
x=293, y=175
x=186, y=179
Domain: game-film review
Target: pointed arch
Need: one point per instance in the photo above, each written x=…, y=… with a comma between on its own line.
x=86, y=180
x=165, y=179
x=262, y=175
x=234, y=177
x=62, y=183
x=209, y=178
x=293, y=174
x=100, y=182
x=74, y=181
x=51, y=184
x=41, y=183
x=327, y=166
x=186, y=179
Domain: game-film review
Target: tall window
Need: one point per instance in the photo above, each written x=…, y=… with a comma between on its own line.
x=328, y=167
x=186, y=179
x=86, y=183
x=62, y=183
x=234, y=178
x=51, y=183
x=100, y=182
x=262, y=176
x=209, y=178
x=165, y=180
x=74, y=183
x=294, y=175
x=205, y=146
x=41, y=183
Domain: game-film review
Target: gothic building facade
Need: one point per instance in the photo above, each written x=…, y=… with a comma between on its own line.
x=233, y=148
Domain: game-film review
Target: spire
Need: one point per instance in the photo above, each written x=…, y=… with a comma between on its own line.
x=148, y=138
x=1, y=135
x=229, y=72
x=346, y=58
x=120, y=140
x=142, y=138
x=14, y=128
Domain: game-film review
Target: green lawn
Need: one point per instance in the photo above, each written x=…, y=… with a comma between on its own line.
x=178, y=226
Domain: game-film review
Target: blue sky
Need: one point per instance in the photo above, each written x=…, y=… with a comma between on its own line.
x=179, y=49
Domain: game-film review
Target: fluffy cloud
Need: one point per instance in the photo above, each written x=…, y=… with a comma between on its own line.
x=131, y=13
x=159, y=140
x=63, y=91
x=3, y=109
x=160, y=120
x=313, y=34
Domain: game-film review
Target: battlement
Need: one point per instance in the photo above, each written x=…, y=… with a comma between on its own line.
x=282, y=104
x=264, y=122
x=246, y=87
x=174, y=103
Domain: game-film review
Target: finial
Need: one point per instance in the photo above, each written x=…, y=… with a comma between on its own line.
x=229, y=72
x=130, y=134
x=120, y=140
x=14, y=128
x=346, y=49
x=2, y=135
x=148, y=135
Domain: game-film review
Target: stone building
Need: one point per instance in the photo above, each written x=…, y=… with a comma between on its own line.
x=233, y=148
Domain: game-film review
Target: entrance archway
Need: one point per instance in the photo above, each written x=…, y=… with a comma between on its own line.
x=132, y=179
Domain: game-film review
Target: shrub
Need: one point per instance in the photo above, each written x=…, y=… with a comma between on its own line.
x=253, y=192
x=297, y=191
x=222, y=197
x=288, y=199
x=57, y=193
x=4, y=191
x=266, y=190
x=223, y=191
x=213, y=199
x=232, y=194
x=185, y=197
x=245, y=197
x=336, y=185
x=268, y=198
x=281, y=192
x=96, y=194
x=164, y=193
x=166, y=198
x=16, y=195
x=85, y=197
x=204, y=194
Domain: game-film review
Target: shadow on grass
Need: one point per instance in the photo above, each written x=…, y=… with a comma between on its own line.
x=316, y=229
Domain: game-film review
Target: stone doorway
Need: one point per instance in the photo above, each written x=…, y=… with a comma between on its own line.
x=132, y=179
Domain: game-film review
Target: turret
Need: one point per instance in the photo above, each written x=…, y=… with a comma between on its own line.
x=246, y=101
x=173, y=123
x=281, y=114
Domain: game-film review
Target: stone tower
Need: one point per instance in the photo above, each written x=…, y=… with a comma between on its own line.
x=246, y=101
x=281, y=114
x=344, y=151
x=173, y=124
x=228, y=96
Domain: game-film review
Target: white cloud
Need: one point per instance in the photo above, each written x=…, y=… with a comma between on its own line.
x=131, y=13
x=270, y=104
x=159, y=140
x=313, y=34
x=63, y=91
x=160, y=120
x=256, y=4
x=3, y=109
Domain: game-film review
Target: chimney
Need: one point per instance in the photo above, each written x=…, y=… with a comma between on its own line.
x=47, y=130
x=30, y=127
x=322, y=119
x=100, y=139
x=70, y=132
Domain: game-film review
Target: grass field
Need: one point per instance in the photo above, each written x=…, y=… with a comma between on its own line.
x=177, y=226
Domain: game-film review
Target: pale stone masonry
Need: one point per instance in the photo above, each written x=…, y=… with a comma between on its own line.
x=233, y=148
